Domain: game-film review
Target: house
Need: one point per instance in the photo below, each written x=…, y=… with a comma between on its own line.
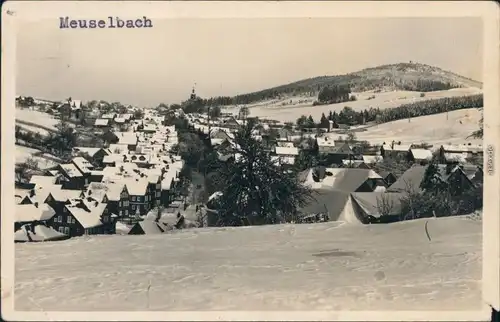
x=411, y=179
x=71, y=109
x=129, y=139
x=285, y=135
x=59, y=198
x=286, y=155
x=355, y=164
x=218, y=135
x=146, y=227
x=335, y=152
x=20, y=194
x=38, y=194
x=102, y=123
x=232, y=123
x=395, y=150
x=154, y=187
x=72, y=177
x=94, y=155
x=82, y=217
x=109, y=116
x=37, y=233
x=474, y=173
x=421, y=156
x=458, y=153
x=343, y=179
x=116, y=196
x=109, y=137
x=139, y=194
x=389, y=177
x=456, y=178
x=377, y=207
x=32, y=214
x=168, y=187
x=372, y=159
x=43, y=181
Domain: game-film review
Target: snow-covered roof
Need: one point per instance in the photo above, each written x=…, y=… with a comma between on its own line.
x=83, y=165
x=458, y=157
x=126, y=116
x=30, y=212
x=46, y=233
x=462, y=148
x=127, y=138
x=281, y=159
x=286, y=150
x=372, y=158
x=71, y=170
x=101, y=122
x=108, y=116
x=168, y=178
x=119, y=120
x=76, y=104
x=64, y=194
x=401, y=147
x=421, y=154
x=90, y=151
x=118, y=148
x=136, y=186
x=325, y=141
x=150, y=227
x=41, y=193
x=90, y=218
x=41, y=181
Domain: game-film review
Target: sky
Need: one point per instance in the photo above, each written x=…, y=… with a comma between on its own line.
x=145, y=67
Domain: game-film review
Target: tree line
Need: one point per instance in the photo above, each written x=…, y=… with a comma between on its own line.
x=322, y=85
x=349, y=116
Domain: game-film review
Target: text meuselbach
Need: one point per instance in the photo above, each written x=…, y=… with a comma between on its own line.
x=109, y=22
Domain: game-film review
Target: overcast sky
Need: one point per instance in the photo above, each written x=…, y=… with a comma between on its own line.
x=230, y=56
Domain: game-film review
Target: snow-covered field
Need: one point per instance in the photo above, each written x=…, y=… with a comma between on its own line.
x=330, y=266
x=433, y=129
x=283, y=111
x=40, y=118
x=23, y=153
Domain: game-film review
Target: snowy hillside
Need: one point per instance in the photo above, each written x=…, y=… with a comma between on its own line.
x=284, y=111
x=433, y=129
x=23, y=153
x=285, y=267
x=39, y=118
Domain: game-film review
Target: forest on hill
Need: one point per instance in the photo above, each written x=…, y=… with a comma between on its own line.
x=402, y=76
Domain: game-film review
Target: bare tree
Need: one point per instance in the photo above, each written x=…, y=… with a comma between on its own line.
x=23, y=169
x=410, y=200
x=385, y=205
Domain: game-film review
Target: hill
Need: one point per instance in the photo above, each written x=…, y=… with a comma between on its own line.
x=402, y=76
x=288, y=110
x=330, y=266
x=436, y=129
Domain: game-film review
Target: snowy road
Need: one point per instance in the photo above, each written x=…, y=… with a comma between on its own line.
x=287, y=267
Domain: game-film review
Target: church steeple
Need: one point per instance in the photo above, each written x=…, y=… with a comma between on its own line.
x=193, y=93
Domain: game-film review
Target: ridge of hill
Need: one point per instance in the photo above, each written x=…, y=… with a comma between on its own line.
x=400, y=76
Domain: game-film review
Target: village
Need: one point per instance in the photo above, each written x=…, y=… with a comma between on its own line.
x=134, y=175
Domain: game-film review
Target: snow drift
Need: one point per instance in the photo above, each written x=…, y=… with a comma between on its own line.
x=329, y=266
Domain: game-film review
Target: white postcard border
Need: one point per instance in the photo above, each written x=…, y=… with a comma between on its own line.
x=14, y=13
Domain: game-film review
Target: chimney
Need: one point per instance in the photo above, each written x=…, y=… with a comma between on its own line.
x=36, y=204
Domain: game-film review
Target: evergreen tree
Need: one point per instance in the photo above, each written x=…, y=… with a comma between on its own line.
x=256, y=190
x=324, y=121
x=310, y=122
x=431, y=183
